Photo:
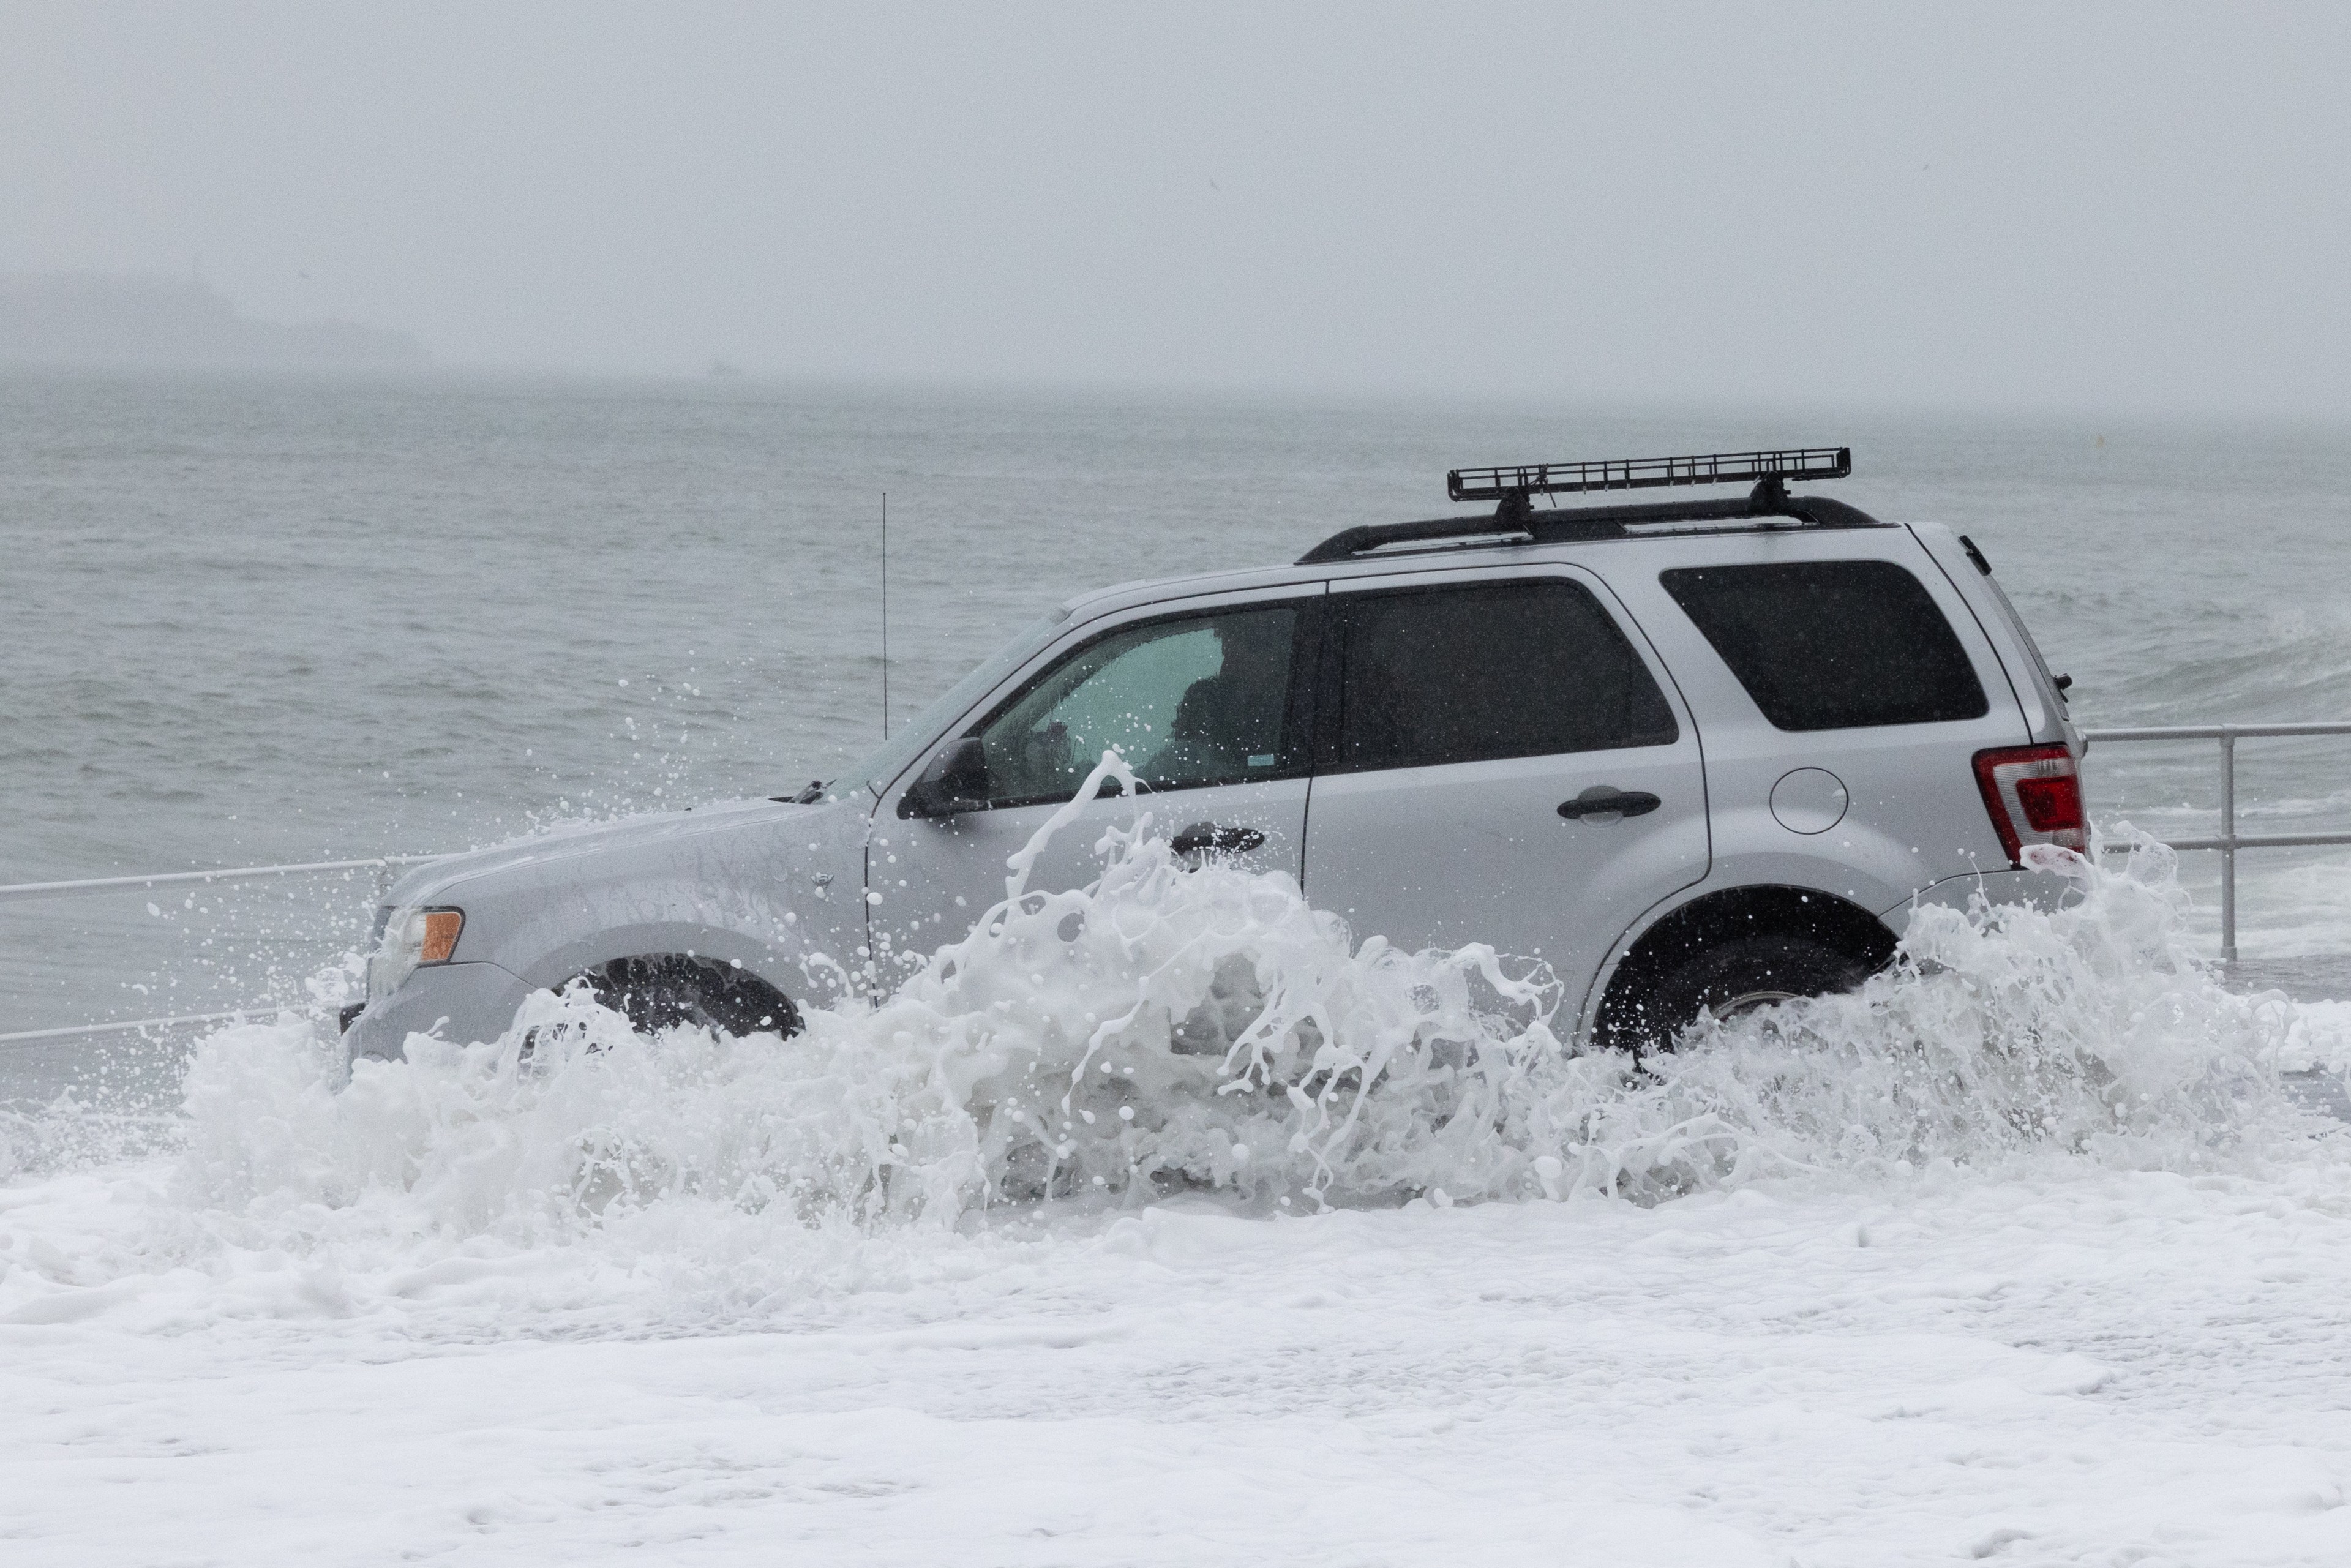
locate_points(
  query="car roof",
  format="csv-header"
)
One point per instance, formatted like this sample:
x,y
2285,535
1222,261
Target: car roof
x,y
1453,551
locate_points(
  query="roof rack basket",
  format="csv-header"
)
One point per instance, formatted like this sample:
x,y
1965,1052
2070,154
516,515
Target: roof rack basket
x,y
1511,488
1648,473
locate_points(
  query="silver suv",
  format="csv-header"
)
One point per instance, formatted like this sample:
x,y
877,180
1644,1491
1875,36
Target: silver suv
x,y
1690,754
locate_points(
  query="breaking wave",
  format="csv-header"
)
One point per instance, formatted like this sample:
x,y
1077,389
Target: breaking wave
x,y
1198,1028
1174,1029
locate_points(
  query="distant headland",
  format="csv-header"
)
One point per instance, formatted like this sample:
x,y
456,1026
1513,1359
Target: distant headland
x,y
93,320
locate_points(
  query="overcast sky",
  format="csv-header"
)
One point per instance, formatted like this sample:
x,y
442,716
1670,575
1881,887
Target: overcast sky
x,y
2043,205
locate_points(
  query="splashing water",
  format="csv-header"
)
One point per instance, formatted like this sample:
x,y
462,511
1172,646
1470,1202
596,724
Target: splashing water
x,y
1180,1027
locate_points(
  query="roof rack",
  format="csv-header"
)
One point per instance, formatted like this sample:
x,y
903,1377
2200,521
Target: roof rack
x,y
1514,515
1648,473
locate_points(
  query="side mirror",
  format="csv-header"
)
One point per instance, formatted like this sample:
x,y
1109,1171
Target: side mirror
x,y
954,781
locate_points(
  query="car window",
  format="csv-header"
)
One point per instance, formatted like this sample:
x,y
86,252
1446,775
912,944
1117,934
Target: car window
x,y
1526,667
1832,644
1188,701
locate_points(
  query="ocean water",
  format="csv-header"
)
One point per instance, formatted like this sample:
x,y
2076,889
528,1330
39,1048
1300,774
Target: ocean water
x,y
255,619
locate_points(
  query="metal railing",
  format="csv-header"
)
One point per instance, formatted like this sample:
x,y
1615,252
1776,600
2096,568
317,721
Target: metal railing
x,y
382,866
2231,841
134,1026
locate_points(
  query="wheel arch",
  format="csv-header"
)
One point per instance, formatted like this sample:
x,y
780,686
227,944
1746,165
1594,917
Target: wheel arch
x,y
1752,910
551,963
738,998
730,957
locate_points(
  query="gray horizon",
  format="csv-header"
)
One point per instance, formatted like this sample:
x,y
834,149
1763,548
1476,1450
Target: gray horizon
x,y
2134,209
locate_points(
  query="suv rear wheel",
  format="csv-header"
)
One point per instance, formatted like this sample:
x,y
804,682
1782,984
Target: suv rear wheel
x,y
1735,977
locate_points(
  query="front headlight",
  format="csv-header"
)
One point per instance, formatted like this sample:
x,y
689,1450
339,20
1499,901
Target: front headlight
x,y
412,937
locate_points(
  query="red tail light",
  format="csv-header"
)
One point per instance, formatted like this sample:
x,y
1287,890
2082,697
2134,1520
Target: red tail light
x,y
2034,796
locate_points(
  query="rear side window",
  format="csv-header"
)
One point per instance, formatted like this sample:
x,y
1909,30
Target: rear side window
x,y
1832,644
1469,674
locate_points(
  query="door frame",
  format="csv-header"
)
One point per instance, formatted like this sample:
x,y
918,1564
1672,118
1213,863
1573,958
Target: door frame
x,y
1306,662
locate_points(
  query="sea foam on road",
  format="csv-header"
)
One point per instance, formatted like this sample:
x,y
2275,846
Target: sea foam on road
x,y
1185,1029
913,1282
1179,1028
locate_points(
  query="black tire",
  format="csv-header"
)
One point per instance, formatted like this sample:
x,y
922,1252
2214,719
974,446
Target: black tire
x,y
666,989
1730,977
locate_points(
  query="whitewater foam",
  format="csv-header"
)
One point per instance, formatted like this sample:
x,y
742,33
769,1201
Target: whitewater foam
x,y
1176,1028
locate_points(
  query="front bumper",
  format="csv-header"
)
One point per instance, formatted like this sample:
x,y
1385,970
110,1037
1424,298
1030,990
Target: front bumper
x,y
461,1002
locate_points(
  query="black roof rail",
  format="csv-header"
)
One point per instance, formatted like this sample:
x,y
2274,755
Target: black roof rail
x,y
1515,515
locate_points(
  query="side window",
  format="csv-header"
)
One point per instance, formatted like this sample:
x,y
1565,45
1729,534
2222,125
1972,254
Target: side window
x,y
1527,667
1832,644
1190,702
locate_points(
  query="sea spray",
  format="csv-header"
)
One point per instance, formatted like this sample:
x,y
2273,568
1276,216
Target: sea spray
x,y
1188,1026
1999,1030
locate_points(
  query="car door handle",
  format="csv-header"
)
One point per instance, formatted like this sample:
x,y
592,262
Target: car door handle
x,y
1600,800
1207,836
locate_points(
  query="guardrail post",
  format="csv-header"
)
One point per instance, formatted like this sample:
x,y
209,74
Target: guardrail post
x,y
2228,844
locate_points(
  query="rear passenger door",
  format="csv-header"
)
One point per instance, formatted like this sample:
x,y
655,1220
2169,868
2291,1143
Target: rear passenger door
x,y
1501,758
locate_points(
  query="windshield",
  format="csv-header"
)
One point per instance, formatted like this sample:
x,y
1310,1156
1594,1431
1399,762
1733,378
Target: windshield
x,y
916,734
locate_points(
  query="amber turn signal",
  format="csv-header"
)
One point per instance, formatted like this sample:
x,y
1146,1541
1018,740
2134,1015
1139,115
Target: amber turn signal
x,y
441,928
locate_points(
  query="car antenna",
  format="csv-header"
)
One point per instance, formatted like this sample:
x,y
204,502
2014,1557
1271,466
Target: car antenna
x,y
885,614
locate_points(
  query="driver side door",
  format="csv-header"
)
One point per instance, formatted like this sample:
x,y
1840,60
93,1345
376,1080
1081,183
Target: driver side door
x,y
1208,702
